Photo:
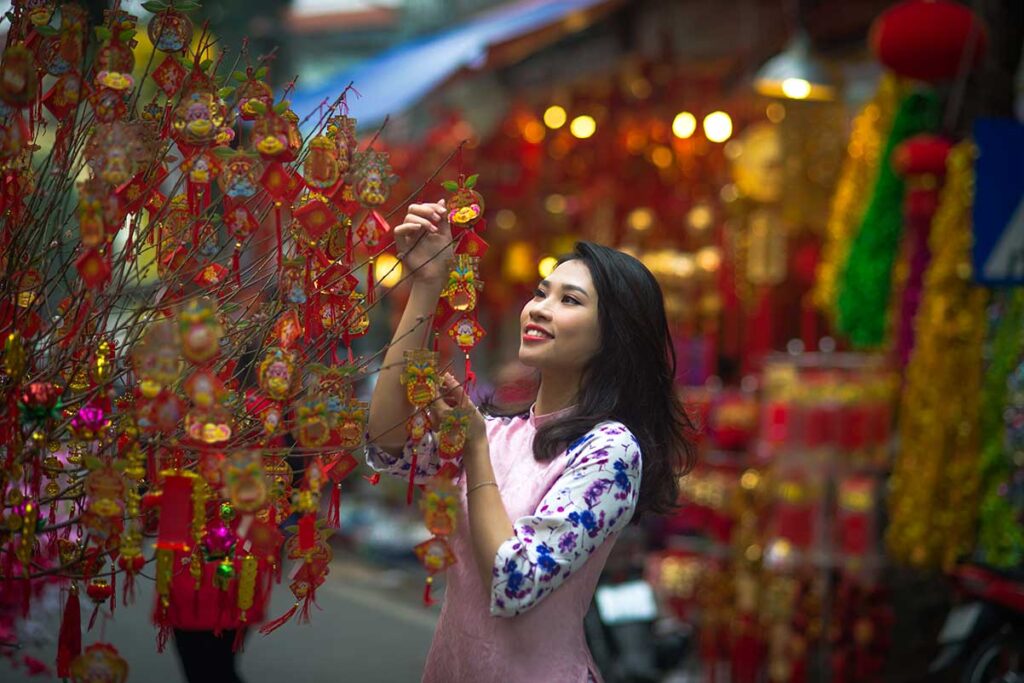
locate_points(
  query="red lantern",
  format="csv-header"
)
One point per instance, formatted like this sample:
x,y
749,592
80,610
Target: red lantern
x,y
927,39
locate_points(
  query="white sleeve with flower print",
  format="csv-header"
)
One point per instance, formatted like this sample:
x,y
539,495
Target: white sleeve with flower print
x,y
426,459
594,498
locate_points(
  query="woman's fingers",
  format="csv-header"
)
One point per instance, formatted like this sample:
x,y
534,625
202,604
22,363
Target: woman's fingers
x,y
432,212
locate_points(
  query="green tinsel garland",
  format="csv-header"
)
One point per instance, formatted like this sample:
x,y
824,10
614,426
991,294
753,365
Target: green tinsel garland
x,y
867,278
1000,536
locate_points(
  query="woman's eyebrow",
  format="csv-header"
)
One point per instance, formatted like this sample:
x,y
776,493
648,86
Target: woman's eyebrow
x,y
571,288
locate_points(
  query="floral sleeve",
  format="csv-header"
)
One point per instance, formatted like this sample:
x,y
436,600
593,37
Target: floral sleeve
x,y
594,498
426,457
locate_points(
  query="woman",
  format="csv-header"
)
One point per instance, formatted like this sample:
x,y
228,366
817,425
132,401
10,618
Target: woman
x,y
545,492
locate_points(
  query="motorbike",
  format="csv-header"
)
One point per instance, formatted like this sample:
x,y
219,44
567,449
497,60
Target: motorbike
x,y
982,639
631,642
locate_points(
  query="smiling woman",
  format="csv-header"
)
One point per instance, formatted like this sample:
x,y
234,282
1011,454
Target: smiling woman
x,y
546,489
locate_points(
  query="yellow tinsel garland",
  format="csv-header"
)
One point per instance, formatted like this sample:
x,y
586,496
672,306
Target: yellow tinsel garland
x,y
867,137
933,500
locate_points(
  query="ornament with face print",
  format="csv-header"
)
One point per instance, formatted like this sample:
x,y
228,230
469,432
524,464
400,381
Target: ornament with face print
x,y
321,166
241,174
170,30
270,136
115,62
199,330
39,12
371,178
210,426
420,377
342,130
155,358
350,423
245,480
18,79
463,283
439,506
451,437
466,332
465,205
435,554
293,281
372,231
312,422
253,95
99,663
91,227
205,389
198,118
357,319
239,220
277,374
109,152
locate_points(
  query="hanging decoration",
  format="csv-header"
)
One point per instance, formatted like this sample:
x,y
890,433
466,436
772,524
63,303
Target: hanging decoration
x,y
867,276
936,470
439,505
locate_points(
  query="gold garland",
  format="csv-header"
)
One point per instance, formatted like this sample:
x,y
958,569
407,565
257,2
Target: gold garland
x,y
867,137
935,483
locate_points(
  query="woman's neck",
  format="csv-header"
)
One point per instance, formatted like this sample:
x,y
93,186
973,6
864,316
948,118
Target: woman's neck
x,y
556,393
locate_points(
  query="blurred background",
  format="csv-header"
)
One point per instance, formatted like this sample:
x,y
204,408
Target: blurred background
x,y
857,511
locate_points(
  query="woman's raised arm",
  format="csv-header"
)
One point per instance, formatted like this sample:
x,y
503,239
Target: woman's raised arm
x,y
424,244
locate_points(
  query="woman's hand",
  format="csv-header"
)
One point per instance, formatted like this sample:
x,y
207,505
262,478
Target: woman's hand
x,y
453,396
424,242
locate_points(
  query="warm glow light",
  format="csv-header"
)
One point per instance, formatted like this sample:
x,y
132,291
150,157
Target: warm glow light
x,y
546,265
775,112
387,270
709,258
555,203
519,261
717,126
661,156
583,126
684,125
796,88
533,132
640,219
554,117
505,219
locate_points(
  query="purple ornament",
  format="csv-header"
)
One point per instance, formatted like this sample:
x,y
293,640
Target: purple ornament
x,y
219,540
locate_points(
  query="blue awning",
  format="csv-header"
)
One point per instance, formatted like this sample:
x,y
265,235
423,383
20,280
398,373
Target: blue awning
x,y
399,77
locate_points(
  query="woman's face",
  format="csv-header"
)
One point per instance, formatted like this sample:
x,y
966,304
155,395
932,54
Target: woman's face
x,y
559,325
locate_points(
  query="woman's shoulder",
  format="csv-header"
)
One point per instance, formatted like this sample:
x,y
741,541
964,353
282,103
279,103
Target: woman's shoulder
x,y
608,434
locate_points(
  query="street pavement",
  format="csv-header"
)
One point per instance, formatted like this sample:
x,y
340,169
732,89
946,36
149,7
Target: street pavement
x,y
373,629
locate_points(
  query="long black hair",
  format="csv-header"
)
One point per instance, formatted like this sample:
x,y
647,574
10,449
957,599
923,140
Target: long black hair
x,y
631,379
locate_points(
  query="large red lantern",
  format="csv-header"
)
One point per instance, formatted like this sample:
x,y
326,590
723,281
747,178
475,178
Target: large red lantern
x,y
927,39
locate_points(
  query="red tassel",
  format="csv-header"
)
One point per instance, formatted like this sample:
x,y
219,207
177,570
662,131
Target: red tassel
x,y
92,619
162,636
428,599
310,600
128,590
307,532
280,246
374,479
348,247
113,590
370,282
412,478
470,375
239,643
334,507
69,642
272,626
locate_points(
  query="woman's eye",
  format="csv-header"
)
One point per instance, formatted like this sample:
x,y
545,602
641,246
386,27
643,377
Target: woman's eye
x,y
570,300
538,293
